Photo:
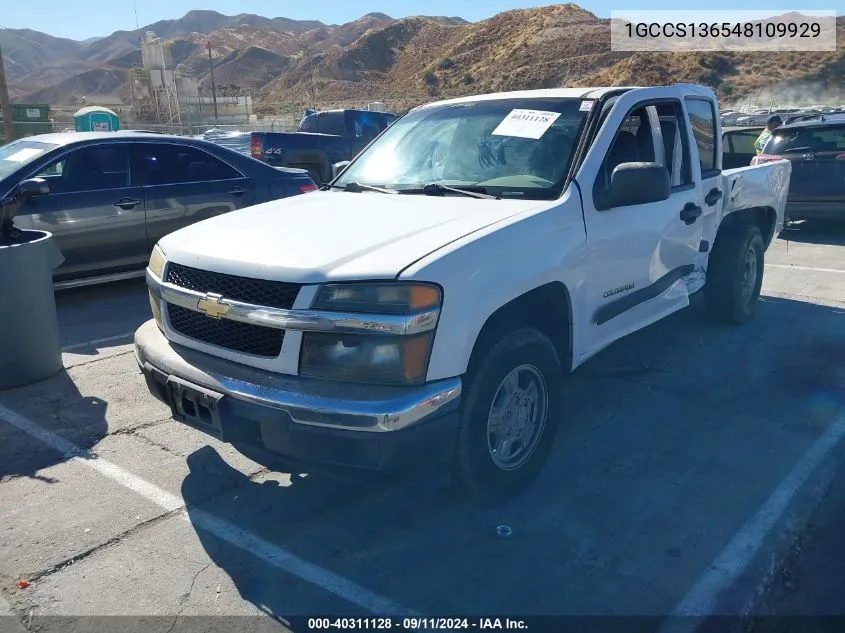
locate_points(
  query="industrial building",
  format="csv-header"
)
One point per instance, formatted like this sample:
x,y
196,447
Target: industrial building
x,y
163,94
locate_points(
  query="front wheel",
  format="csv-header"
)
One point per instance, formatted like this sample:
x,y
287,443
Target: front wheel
x,y
510,416
735,275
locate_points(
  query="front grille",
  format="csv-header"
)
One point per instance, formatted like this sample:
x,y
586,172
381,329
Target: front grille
x,y
276,294
238,337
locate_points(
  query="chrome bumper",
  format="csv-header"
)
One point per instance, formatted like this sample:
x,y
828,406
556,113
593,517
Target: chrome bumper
x,y
308,401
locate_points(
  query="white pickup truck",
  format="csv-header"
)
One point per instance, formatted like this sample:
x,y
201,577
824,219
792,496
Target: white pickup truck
x,y
427,304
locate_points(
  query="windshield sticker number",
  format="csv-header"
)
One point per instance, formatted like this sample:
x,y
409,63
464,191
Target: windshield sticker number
x,y
25,154
526,123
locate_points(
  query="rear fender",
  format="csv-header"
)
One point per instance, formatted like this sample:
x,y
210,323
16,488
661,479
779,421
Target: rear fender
x,y
763,186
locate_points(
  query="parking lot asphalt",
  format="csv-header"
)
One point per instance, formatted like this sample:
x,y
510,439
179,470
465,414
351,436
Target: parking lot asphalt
x,y
689,459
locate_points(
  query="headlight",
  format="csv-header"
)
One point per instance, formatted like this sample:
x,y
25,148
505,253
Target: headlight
x,y
372,358
400,360
378,298
157,262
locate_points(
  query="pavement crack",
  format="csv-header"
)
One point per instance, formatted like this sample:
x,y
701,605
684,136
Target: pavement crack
x,y
99,359
40,575
131,430
183,599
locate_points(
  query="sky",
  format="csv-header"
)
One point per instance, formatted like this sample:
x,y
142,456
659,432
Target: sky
x,y
82,19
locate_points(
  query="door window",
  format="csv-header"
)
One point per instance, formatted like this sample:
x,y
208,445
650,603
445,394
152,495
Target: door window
x,y
634,143
702,116
94,168
741,142
325,123
673,135
173,164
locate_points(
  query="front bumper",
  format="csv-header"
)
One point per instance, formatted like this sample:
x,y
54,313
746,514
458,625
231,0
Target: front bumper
x,y
303,420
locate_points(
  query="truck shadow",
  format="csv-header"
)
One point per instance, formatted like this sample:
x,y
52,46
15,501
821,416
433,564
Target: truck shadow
x,y
54,405
669,441
831,233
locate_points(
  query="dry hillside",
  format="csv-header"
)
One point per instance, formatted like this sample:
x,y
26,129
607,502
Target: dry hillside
x,y
406,61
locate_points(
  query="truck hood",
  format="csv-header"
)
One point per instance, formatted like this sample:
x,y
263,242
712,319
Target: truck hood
x,y
325,236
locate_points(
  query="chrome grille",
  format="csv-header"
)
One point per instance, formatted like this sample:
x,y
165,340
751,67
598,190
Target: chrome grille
x,y
232,335
276,294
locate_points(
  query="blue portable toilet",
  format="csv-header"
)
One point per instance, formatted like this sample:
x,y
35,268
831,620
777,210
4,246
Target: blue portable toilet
x,y
96,119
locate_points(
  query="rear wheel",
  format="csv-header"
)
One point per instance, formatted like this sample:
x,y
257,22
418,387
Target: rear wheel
x,y
735,275
510,415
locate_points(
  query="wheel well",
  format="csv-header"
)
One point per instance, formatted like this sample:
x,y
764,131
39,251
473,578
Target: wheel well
x,y
547,308
763,218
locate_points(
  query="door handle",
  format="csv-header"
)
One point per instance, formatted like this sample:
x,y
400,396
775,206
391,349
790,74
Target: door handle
x,y
690,213
713,197
237,191
127,203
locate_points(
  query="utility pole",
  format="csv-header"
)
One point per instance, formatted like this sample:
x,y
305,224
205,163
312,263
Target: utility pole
x,y
213,87
5,106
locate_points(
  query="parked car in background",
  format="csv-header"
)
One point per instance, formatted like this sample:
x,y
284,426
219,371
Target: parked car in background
x,y
816,149
108,197
323,139
738,146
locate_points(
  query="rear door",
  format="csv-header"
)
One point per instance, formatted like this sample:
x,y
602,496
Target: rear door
x,y
707,170
183,184
94,212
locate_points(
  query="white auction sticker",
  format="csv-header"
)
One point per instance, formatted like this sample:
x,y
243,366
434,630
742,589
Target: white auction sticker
x,y
526,123
25,154
586,106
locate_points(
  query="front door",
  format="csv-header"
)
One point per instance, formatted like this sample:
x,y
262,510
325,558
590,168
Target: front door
x,y
638,255
183,184
94,213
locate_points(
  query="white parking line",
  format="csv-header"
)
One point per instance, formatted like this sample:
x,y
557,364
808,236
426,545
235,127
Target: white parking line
x,y
820,270
744,546
222,529
98,341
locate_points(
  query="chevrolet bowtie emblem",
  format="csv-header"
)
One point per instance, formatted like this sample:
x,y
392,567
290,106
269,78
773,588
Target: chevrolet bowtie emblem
x,y
213,306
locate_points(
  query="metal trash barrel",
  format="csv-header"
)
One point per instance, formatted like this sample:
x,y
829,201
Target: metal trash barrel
x,y
30,348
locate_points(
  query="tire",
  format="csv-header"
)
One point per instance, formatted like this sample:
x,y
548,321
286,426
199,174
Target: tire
x,y
735,275
480,470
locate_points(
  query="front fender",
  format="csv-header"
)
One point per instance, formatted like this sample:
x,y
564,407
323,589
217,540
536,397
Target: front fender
x,y
488,269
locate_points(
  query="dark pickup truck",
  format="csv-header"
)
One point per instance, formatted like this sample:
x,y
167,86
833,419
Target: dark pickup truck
x,y
323,139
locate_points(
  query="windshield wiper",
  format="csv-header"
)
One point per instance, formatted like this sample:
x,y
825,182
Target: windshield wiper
x,y
436,189
357,187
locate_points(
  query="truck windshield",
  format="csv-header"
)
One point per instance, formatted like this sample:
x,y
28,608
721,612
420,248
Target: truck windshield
x,y
18,154
324,123
507,147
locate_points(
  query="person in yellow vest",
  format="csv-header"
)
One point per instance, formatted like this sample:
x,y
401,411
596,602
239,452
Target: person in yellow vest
x,y
772,123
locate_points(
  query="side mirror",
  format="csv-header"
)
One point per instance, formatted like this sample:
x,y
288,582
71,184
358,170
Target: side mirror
x,y
638,183
339,167
32,188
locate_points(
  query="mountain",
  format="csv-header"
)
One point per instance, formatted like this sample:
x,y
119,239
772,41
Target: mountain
x,y
401,61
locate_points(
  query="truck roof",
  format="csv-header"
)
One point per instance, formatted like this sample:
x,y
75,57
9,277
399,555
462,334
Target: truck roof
x,y
565,93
